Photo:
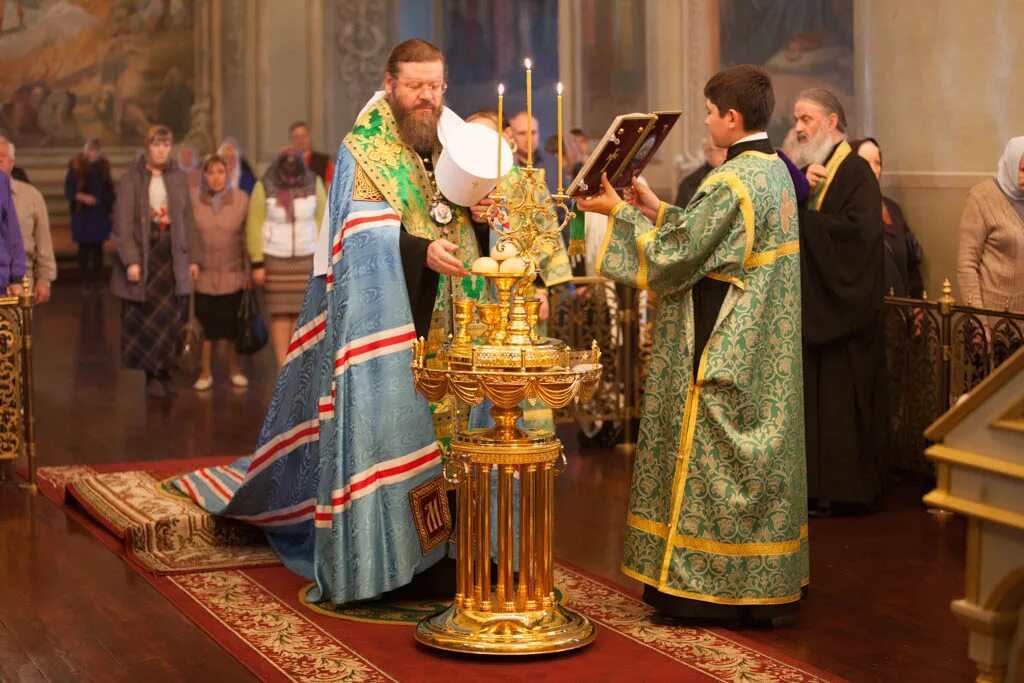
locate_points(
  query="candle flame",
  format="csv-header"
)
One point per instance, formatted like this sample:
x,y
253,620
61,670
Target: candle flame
x,y
559,88
501,88
528,63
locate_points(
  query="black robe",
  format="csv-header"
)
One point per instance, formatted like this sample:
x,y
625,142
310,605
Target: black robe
x,y
903,256
842,281
688,185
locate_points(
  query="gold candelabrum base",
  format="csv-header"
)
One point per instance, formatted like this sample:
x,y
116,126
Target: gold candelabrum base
x,y
513,612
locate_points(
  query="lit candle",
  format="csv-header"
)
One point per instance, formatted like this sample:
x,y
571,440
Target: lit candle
x,y
560,184
501,97
529,113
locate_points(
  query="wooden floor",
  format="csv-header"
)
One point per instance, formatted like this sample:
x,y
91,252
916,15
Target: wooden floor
x,y
71,610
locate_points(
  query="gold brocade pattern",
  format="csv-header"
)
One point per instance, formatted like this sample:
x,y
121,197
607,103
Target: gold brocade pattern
x,y
296,646
364,190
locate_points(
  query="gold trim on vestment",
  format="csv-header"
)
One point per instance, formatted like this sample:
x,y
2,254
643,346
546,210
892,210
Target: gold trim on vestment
x,y
722,277
687,428
659,220
608,236
363,189
707,545
641,249
746,208
717,599
838,157
763,258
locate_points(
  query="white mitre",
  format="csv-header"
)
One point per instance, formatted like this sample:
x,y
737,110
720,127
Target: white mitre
x,y
469,159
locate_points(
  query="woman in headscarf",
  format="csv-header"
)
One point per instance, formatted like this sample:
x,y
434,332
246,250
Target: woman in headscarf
x,y
158,256
240,175
188,161
220,213
89,190
903,254
990,259
285,212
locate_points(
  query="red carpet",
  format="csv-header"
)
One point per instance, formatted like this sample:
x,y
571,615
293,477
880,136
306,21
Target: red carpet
x,y
256,615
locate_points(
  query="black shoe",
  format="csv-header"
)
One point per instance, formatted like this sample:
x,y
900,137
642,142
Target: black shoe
x,y
819,508
167,382
155,388
662,619
770,616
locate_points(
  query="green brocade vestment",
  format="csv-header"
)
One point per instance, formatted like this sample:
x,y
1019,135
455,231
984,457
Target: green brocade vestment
x,y
718,505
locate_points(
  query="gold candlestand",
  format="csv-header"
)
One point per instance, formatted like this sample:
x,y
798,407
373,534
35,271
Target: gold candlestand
x,y
514,612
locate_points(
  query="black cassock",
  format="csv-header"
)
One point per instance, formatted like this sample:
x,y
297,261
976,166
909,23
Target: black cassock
x,y
842,280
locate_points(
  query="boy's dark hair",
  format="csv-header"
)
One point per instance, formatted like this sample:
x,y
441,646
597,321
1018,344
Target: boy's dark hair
x,y
745,88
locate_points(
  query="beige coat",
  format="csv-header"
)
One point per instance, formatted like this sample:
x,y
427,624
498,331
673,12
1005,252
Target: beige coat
x,y
990,259
225,262
40,262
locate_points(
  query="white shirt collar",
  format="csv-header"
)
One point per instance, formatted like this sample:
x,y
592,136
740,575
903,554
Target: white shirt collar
x,y
753,136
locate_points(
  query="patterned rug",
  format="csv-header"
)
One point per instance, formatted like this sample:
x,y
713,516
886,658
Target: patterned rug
x,y
257,613
162,531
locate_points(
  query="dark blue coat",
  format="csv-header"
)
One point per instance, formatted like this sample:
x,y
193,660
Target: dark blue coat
x,y
90,224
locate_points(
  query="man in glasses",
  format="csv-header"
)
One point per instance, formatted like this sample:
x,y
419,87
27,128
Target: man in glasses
x,y
347,446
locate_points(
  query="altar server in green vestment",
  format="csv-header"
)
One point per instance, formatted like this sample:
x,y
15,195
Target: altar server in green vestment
x,y
717,523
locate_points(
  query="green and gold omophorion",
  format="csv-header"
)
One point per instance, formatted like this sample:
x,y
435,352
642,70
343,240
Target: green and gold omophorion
x,y
718,505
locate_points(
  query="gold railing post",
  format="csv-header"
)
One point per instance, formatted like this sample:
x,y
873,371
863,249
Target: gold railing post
x,y
946,303
25,303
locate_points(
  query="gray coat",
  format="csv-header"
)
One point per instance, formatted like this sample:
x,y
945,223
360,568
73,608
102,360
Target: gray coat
x,y
132,226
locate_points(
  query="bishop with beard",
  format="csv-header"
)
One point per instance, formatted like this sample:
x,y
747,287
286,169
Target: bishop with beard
x,y
842,284
347,448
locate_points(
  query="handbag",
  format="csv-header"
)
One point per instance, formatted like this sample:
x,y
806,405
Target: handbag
x,y
192,345
251,335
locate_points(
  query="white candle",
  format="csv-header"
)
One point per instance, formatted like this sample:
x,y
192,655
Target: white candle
x,y
501,97
529,113
560,184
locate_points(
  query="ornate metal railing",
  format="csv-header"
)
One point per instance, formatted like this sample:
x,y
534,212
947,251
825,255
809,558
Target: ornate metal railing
x,y
17,417
621,320
936,351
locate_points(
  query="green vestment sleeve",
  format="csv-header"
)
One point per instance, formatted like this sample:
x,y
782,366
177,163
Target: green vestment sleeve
x,y
683,246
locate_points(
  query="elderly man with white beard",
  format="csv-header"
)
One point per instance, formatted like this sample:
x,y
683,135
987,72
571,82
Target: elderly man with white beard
x,y
842,276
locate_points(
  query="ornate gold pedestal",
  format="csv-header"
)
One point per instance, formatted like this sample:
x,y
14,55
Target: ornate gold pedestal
x,y
513,612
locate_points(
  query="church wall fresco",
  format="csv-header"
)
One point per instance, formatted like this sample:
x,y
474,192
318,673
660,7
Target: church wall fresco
x,y
77,69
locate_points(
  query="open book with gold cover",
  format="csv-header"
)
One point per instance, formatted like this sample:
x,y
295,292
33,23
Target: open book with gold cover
x,y
623,151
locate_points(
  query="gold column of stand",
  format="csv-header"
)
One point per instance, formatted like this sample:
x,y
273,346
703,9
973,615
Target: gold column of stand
x,y
517,614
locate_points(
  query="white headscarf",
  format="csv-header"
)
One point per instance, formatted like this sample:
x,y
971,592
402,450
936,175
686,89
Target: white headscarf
x,y
1009,166
235,175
